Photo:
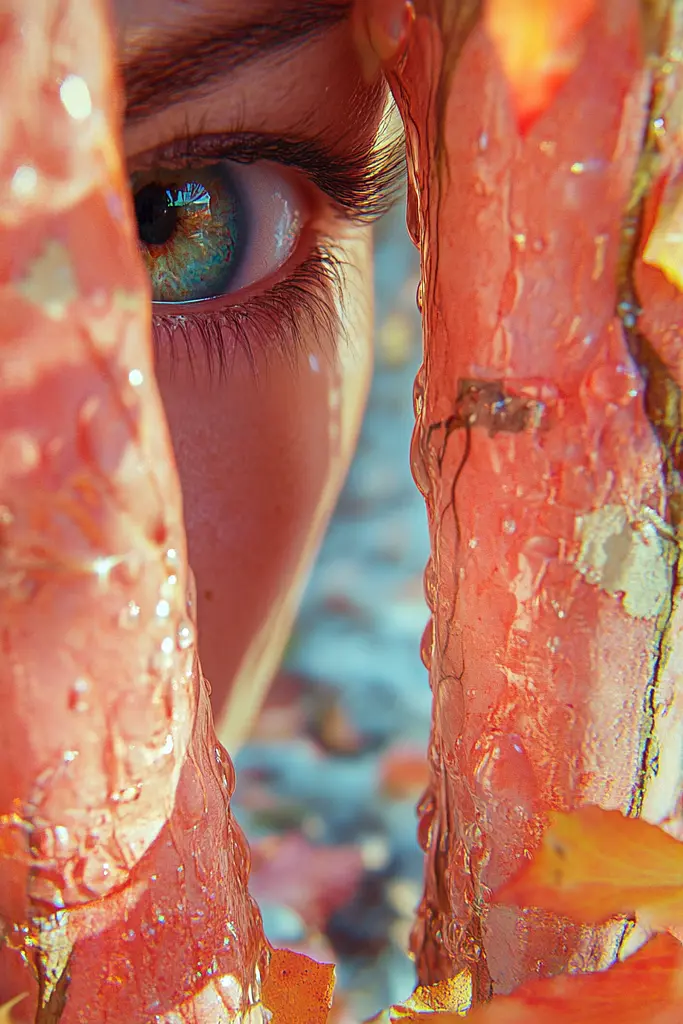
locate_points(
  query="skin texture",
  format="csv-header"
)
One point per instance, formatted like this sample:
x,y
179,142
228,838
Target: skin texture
x,y
263,450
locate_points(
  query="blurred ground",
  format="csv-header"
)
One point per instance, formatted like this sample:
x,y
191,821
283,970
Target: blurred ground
x,y
328,784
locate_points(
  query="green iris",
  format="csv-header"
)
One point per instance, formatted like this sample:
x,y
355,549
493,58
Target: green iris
x,y
192,231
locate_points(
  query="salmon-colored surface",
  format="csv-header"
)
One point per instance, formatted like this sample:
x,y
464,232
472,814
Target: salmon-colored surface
x,y
548,465
122,874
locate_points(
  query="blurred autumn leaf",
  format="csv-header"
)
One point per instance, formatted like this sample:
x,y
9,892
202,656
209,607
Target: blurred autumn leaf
x,y
645,989
6,1009
312,880
297,990
664,248
539,45
595,864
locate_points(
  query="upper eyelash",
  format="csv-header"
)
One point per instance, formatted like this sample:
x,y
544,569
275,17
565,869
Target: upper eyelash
x,y
362,183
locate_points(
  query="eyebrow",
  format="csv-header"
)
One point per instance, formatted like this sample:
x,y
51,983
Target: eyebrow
x,y
191,57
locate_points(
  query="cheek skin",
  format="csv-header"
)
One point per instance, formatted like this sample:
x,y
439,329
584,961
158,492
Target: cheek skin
x,y
262,456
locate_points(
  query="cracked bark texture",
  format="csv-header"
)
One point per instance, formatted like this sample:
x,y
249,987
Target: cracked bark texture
x,y
547,446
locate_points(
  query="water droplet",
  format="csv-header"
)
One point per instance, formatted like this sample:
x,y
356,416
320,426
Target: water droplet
x,y
24,182
420,295
509,526
126,796
616,384
430,584
659,127
577,167
78,696
629,313
19,453
506,772
75,95
413,215
185,637
418,464
167,645
168,746
136,378
427,644
102,567
163,609
130,615
171,558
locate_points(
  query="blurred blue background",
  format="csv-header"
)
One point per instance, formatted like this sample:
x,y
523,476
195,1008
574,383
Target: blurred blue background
x,y
327,785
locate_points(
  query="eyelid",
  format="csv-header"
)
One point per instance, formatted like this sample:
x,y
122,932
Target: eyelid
x,y
362,185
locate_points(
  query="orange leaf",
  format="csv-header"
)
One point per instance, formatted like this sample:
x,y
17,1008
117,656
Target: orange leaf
x,y
647,988
298,989
426,1002
539,46
595,864
664,247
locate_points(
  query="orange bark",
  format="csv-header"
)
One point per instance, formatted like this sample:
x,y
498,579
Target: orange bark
x,y
122,874
546,445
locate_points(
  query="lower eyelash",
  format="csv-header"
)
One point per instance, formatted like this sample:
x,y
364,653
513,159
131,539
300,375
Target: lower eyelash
x,y
305,305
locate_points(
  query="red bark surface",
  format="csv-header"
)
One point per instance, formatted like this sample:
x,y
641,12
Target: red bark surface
x,y
122,875
546,445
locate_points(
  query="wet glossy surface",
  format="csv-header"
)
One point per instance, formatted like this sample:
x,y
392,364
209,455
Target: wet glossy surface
x,y
547,453
122,875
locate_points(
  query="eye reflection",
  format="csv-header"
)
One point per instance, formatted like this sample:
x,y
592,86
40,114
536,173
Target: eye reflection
x,y
192,232
208,232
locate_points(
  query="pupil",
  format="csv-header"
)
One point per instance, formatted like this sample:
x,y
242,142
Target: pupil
x,y
157,217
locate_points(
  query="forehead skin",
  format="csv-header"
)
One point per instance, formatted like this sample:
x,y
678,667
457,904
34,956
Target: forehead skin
x,y
314,85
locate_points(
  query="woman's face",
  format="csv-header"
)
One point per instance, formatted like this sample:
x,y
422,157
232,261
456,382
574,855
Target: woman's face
x,y
251,140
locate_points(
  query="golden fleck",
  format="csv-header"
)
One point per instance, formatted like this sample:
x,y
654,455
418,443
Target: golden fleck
x,y
664,247
600,242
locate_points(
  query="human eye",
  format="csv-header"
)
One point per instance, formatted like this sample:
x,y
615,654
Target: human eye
x,y
208,233
239,236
